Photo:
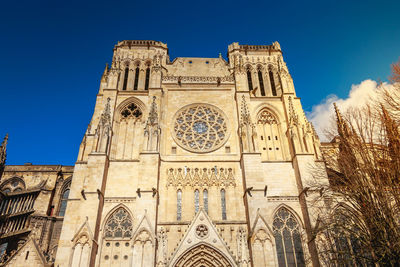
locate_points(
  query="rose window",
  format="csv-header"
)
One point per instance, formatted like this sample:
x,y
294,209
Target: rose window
x,y
200,128
201,231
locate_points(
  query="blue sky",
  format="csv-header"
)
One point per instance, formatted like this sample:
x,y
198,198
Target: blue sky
x,y
53,54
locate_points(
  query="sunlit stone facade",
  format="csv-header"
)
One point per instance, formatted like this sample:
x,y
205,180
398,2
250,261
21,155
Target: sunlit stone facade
x,y
193,162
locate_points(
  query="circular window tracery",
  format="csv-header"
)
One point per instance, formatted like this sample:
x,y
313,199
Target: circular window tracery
x,y
131,111
200,128
266,117
119,225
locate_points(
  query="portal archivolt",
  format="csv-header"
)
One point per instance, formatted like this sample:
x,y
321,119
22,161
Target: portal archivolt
x,y
203,256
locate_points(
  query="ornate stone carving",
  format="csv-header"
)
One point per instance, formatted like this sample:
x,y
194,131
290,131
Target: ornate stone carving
x,y
200,128
119,225
293,117
201,231
3,154
243,252
262,235
202,255
132,111
247,128
244,112
197,79
162,247
276,45
266,117
104,128
201,177
143,237
152,130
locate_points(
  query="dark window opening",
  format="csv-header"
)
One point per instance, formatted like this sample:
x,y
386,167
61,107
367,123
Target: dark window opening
x,y
249,81
223,204
205,200
260,78
271,78
179,206
125,78
135,86
146,85
63,205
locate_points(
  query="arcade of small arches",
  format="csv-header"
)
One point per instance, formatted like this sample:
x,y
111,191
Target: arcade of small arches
x,y
197,202
118,237
14,184
267,80
132,77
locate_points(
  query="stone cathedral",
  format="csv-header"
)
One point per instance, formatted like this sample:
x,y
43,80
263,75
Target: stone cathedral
x,y
194,162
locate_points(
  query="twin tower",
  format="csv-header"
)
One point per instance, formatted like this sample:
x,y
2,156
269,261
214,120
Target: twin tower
x,y
193,162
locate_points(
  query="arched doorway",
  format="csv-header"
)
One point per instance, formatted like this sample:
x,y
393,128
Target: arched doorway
x,y
202,255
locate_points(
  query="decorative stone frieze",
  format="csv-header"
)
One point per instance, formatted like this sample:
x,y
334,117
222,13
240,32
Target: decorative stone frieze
x,y
201,177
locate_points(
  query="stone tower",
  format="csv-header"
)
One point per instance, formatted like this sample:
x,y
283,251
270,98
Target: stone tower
x,y
193,162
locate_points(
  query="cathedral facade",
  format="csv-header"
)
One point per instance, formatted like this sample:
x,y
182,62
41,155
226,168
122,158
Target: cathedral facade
x,y
191,162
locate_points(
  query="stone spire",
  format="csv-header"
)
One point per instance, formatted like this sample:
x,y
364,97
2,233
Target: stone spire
x,y
3,154
342,128
244,113
103,130
293,117
105,119
152,130
105,74
153,115
247,128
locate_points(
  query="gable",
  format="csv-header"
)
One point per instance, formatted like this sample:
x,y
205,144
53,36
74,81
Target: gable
x,y
202,232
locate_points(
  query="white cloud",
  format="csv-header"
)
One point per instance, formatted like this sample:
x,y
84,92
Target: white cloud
x,y
360,94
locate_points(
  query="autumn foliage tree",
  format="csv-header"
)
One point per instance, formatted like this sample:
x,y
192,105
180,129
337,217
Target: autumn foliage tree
x,y
362,225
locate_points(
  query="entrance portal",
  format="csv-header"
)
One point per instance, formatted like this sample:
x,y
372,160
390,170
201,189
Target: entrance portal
x,y
203,255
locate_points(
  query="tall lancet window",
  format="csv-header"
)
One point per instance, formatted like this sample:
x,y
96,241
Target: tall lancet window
x,y
223,204
196,201
271,79
63,204
249,80
146,85
135,85
205,200
261,81
179,205
288,240
125,78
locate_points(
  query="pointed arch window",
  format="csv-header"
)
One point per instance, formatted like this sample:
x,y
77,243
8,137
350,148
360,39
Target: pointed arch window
x,y
288,239
179,205
135,85
272,81
119,225
196,200
261,81
63,203
126,74
249,80
223,204
205,200
146,85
